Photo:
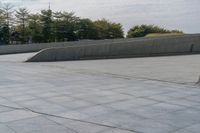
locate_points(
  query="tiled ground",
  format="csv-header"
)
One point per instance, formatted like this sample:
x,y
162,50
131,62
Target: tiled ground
x,y
102,96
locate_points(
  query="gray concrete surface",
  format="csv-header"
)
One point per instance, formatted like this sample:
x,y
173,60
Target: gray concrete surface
x,y
136,95
172,45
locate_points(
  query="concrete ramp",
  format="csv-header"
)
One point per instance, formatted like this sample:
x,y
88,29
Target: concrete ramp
x,y
172,45
15,57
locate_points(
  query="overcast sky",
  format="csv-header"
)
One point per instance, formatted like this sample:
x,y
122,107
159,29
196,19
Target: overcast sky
x,y
173,14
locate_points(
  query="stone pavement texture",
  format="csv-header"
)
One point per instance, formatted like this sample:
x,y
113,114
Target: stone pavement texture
x,y
135,95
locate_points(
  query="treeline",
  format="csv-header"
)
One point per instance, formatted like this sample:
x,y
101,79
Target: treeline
x,y
21,26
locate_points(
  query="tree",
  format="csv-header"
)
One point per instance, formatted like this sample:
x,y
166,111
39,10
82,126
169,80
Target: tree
x,y
143,30
66,26
8,13
57,26
87,29
2,18
7,21
35,28
4,34
22,21
46,19
108,30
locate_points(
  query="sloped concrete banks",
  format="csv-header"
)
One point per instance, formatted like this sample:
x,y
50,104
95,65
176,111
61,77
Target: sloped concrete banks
x,y
12,49
25,48
174,45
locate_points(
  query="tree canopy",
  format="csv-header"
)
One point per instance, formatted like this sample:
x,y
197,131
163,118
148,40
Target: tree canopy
x,y
108,30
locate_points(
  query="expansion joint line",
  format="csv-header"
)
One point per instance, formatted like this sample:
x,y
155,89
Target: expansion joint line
x,y
72,119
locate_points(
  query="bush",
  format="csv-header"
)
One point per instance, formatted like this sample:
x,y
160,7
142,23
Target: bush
x,y
143,30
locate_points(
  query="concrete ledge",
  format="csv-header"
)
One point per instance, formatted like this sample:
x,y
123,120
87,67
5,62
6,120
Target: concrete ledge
x,y
12,49
186,44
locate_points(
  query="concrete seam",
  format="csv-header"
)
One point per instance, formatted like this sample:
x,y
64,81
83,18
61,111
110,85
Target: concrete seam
x,y
83,121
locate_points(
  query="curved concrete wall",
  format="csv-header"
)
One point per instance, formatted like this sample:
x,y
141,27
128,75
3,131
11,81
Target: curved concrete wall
x,y
186,44
10,49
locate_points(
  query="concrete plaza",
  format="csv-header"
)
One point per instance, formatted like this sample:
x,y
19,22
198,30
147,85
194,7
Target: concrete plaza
x,y
134,95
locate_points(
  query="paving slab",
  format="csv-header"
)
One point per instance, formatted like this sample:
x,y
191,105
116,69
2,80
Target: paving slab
x,y
5,129
135,95
38,125
15,115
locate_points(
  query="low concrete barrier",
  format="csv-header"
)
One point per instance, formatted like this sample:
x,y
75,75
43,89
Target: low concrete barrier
x,y
185,44
12,49
196,48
